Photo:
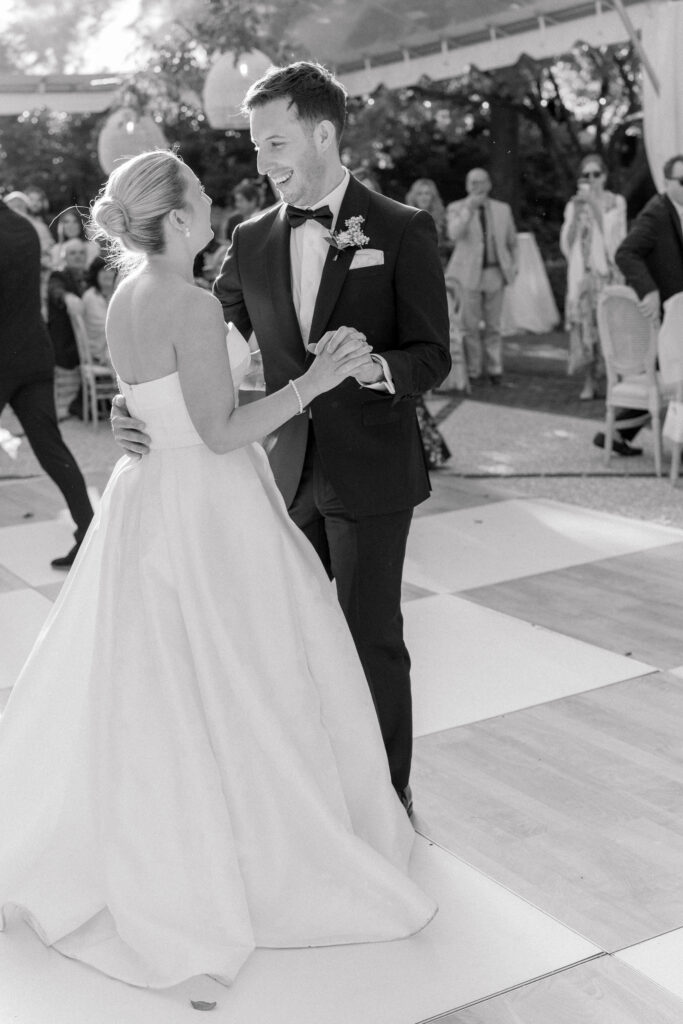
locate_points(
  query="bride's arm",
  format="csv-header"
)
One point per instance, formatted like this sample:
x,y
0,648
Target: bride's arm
x,y
207,385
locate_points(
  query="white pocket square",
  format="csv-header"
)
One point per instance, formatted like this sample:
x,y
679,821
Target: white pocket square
x,y
367,258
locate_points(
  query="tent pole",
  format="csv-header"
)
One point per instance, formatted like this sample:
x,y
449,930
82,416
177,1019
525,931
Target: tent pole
x,y
637,45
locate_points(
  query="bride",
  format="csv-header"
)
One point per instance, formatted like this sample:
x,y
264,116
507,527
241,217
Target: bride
x,y
190,761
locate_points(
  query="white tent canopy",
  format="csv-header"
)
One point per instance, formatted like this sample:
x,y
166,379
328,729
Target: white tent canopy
x,y
394,44
662,39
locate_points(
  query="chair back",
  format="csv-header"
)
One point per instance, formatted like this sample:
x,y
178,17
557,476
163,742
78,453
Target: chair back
x,y
670,342
74,307
628,338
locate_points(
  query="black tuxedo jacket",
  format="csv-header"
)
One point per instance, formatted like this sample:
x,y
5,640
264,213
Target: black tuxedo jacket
x,y
368,441
25,349
651,255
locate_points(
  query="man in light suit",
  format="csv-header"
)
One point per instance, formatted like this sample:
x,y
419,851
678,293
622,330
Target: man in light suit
x,y
483,262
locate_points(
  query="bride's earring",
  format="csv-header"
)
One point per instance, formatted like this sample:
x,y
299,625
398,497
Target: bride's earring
x,y
186,232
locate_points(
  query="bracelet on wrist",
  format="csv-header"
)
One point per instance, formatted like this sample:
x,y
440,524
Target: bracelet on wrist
x,y
298,396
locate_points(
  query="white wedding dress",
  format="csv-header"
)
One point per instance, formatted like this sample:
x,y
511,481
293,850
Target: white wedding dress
x,y
190,761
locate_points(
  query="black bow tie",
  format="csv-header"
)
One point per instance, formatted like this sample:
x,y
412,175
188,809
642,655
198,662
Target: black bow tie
x,y
297,217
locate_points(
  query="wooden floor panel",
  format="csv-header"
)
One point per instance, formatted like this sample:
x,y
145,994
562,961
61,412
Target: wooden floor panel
x,y
602,991
630,604
574,805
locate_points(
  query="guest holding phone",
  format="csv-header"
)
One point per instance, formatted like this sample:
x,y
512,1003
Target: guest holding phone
x,y
594,226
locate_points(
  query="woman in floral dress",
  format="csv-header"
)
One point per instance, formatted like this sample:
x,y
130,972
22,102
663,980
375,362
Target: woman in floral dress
x,y
594,225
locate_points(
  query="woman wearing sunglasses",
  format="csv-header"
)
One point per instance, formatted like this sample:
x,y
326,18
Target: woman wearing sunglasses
x,y
594,226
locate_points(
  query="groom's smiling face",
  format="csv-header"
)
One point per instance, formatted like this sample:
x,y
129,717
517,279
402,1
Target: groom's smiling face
x,y
294,154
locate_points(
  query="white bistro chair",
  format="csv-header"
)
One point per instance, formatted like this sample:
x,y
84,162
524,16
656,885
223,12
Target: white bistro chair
x,y
99,382
629,346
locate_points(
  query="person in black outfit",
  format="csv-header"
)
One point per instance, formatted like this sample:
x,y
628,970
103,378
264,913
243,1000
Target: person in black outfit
x,y
651,260
27,368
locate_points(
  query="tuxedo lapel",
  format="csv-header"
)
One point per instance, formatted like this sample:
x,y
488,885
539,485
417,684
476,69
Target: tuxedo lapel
x,y
279,273
355,204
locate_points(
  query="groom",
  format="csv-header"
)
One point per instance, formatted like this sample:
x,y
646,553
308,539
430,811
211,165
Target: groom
x,y
352,468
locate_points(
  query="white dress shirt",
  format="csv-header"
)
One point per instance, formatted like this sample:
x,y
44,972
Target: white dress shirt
x,y
308,250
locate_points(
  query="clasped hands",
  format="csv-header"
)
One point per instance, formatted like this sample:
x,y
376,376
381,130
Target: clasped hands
x,y
348,342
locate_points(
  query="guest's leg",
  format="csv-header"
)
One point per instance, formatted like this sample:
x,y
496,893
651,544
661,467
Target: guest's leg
x,y
629,433
470,320
34,405
367,558
493,342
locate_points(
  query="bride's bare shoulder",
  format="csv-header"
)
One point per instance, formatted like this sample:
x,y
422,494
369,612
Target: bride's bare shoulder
x,y
141,294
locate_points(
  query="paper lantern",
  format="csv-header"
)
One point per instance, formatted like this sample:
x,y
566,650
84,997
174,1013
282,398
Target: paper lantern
x,y
127,133
226,84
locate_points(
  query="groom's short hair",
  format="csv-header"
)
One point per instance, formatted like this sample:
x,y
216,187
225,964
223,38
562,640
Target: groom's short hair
x,y
314,90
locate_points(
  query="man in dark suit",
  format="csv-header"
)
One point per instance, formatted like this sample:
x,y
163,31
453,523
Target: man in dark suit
x,y
27,367
351,469
651,255
651,260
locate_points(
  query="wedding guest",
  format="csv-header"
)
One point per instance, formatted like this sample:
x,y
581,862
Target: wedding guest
x,y
71,279
594,225
70,226
484,260
18,202
190,761
651,259
424,195
651,255
101,282
246,199
38,208
367,178
27,367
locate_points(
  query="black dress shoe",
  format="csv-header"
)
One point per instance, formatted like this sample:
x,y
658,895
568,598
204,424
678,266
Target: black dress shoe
x,y
618,446
494,380
406,798
66,561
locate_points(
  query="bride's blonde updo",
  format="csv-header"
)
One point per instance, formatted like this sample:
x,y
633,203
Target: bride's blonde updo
x,y
139,193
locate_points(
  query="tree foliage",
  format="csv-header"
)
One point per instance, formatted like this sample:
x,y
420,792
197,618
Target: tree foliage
x,y
58,152
48,36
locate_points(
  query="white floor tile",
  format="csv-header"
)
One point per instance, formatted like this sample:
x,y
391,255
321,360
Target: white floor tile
x,y
27,550
22,614
470,663
483,939
661,959
507,540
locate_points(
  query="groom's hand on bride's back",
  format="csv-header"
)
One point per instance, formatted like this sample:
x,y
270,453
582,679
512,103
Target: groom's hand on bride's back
x,y
128,432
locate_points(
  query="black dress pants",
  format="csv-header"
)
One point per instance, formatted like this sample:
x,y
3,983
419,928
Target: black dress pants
x,y
365,558
33,403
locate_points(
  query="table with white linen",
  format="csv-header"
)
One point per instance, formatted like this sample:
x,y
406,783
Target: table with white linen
x,y
528,303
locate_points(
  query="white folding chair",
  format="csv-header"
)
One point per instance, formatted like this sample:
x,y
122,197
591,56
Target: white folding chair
x,y
629,346
99,382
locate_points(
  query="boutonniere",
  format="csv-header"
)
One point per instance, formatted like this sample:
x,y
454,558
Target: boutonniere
x,y
351,238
